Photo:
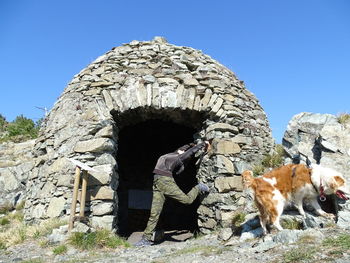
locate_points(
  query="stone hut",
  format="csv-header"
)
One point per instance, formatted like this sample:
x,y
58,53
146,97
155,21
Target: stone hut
x,y
124,110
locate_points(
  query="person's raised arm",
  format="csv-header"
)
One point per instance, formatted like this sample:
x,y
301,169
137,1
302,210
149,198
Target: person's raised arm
x,y
193,150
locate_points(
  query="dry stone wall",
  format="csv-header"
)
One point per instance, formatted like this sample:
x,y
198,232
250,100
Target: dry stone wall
x,y
136,82
16,161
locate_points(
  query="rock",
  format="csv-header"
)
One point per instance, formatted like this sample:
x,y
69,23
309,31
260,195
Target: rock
x,y
95,145
225,147
226,184
321,138
80,227
225,234
56,206
104,222
102,208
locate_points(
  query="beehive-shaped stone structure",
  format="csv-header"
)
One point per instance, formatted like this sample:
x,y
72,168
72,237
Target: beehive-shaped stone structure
x,y
128,107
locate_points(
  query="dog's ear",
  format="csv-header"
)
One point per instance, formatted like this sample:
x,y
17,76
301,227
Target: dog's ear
x,y
339,180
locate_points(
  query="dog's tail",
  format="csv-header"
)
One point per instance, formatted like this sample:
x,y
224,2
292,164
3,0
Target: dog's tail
x,y
247,178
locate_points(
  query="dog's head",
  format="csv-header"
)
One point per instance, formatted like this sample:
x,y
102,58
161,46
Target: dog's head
x,y
340,188
337,185
247,178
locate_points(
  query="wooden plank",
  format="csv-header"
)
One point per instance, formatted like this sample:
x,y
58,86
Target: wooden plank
x,y
74,199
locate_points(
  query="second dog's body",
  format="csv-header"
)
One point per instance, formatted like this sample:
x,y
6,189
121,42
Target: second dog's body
x,y
293,182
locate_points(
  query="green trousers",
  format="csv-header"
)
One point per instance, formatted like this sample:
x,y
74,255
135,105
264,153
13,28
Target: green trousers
x,y
164,186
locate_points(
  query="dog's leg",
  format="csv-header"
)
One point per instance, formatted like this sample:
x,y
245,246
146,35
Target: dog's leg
x,y
319,210
298,201
276,215
263,223
263,217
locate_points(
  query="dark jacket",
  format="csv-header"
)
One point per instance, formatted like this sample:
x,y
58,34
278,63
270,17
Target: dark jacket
x,y
173,163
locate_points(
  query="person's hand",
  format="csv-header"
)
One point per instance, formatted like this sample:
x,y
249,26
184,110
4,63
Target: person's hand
x,y
207,146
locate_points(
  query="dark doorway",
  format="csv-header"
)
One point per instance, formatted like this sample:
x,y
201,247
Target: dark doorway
x,y
139,147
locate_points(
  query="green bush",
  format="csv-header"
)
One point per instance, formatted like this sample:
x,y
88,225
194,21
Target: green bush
x,y
3,123
343,118
21,129
22,126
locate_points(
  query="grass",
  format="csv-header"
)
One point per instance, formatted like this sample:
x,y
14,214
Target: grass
x,y
33,261
300,254
20,205
2,245
334,247
238,219
5,209
341,242
343,118
99,239
291,224
270,161
4,221
204,250
59,250
258,170
276,159
17,232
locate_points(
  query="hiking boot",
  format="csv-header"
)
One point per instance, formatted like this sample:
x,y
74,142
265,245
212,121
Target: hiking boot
x,y
203,188
144,243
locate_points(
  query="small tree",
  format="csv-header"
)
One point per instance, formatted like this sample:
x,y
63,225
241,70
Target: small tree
x,y
3,123
22,126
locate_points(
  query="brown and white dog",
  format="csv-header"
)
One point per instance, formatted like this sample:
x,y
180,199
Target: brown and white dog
x,y
293,182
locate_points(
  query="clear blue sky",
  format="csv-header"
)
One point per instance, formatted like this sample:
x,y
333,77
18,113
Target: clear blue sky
x,y
294,55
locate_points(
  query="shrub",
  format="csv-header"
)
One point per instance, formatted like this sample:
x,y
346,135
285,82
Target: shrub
x,y
3,123
22,126
343,118
21,129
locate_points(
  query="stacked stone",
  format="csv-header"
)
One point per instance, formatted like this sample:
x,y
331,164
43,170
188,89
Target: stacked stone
x,y
153,77
16,161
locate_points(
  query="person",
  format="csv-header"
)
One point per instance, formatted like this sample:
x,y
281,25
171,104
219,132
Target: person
x,y
164,185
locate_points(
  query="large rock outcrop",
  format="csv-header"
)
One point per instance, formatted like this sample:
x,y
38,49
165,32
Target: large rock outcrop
x,y
126,108
320,137
324,140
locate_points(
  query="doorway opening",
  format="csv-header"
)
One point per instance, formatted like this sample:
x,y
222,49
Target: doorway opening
x,y
139,147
